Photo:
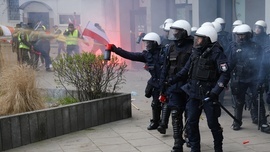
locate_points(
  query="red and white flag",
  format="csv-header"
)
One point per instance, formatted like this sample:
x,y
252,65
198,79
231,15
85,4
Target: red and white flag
x,y
6,30
92,31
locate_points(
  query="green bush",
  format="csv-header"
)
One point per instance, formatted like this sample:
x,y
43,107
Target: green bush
x,y
67,100
92,76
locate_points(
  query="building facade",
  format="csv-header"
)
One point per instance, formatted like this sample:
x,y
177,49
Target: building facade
x,y
124,19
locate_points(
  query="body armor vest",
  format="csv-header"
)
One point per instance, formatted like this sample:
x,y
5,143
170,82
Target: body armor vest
x,y
202,67
247,59
154,62
178,59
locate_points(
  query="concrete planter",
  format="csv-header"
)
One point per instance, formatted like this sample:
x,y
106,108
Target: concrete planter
x,y
25,128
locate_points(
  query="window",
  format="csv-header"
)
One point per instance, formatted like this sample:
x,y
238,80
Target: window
x,y
13,10
65,19
184,11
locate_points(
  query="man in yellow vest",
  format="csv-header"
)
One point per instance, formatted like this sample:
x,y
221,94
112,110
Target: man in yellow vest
x,y
72,36
24,46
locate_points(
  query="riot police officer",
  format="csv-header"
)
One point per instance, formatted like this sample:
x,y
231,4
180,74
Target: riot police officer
x,y
236,23
153,57
166,28
177,55
165,113
223,44
193,30
224,36
245,59
168,20
207,72
261,38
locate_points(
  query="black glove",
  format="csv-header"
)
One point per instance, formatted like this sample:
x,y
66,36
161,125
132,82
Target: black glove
x,y
171,81
113,48
211,97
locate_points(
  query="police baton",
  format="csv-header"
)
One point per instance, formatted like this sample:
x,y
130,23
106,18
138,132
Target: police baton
x,y
228,112
260,92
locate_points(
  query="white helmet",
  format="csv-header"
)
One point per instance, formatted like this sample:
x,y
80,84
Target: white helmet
x,y
243,34
207,24
152,37
243,29
167,26
168,20
220,20
194,29
182,24
237,22
180,29
217,26
235,29
262,24
207,31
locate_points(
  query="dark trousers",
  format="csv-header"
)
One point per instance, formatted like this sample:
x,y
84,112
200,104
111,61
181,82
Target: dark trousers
x,y
212,111
72,49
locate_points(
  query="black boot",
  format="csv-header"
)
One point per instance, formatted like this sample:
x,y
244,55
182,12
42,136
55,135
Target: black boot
x,y
254,112
218,139
177,131
264,127
238,111
164,119
154,123
186,131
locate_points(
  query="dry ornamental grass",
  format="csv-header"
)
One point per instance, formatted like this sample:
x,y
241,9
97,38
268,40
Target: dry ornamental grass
x,y
18,91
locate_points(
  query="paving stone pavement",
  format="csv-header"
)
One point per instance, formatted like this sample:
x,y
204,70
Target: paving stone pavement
x,y
131,135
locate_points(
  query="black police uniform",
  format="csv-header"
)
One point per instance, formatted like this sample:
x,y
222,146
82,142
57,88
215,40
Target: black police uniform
x,y
264,80
164,40
264,74
153,60
207,72
245,64
177,54
224,41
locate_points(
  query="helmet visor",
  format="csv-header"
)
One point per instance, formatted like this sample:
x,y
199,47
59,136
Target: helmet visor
x,y
177,34
258,29
241,38
148,45
200,41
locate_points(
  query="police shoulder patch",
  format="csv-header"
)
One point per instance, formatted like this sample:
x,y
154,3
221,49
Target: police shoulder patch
x,y
223,67
220,84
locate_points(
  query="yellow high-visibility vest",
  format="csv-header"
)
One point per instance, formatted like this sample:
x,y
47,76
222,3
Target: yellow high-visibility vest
x,y
72,38
22,45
